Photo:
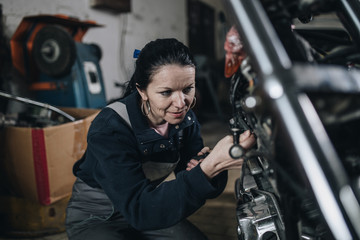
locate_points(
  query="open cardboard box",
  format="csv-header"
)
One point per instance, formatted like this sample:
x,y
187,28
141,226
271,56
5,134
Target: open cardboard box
x,y
37,162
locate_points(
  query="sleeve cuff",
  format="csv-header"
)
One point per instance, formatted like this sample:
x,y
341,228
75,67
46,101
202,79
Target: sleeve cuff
x,y
201,187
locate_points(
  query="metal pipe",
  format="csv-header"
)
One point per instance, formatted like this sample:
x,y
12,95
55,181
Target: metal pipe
x,y
349,16
38,104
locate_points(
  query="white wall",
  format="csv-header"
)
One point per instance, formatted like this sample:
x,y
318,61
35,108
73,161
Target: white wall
x,y
121,34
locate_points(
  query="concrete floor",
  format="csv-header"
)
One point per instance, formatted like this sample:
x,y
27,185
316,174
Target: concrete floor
x,y
217,217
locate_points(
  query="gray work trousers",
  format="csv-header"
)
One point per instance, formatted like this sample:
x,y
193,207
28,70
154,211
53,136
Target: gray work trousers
x,y
90,215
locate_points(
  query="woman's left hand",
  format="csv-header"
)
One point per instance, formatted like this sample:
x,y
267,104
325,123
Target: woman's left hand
x,y
193,162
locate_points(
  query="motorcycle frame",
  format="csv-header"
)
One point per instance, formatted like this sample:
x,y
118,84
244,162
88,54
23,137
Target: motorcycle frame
x,y
284,89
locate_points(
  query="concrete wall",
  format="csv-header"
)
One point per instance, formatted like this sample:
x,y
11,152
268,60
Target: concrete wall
x,y
121,34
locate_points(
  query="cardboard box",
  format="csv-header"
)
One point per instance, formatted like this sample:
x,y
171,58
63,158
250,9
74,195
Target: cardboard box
x,y
37,162
22,218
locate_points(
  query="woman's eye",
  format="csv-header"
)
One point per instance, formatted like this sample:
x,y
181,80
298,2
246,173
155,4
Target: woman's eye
x,y
166,93
188,89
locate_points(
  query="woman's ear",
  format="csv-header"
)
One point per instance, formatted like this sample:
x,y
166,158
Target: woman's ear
x,y
142,93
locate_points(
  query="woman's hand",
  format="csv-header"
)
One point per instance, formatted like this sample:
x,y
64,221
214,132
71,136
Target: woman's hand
x,y
193,162
219,159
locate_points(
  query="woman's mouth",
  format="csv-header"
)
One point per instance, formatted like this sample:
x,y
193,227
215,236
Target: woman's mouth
x,y
178,114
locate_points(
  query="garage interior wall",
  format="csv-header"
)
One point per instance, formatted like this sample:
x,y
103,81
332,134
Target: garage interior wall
x,y
121,34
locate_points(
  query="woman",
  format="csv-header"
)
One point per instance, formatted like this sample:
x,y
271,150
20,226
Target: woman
x,y
135,143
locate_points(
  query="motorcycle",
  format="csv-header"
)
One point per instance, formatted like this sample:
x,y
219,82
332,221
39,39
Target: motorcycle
x,y
296,86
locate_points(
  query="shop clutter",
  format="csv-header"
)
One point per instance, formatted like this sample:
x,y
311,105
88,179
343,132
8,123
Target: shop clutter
x,y
44,133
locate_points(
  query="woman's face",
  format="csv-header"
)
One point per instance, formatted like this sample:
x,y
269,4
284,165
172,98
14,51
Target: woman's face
x,y
170,93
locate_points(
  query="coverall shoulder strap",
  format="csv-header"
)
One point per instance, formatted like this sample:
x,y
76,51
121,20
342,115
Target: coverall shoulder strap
x,y
120,108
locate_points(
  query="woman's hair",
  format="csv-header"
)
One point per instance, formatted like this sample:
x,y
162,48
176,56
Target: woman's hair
x,y
154,55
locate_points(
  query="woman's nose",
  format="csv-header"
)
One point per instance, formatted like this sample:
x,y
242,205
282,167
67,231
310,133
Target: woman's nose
x,y
179,100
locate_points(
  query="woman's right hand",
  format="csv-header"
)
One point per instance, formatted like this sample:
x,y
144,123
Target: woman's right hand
x,y
219,159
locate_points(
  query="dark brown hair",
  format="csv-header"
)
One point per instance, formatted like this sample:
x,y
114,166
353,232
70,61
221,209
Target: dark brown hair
x,y
154,55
